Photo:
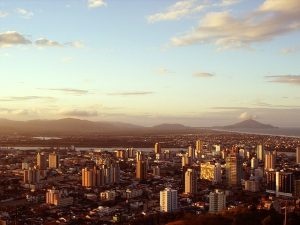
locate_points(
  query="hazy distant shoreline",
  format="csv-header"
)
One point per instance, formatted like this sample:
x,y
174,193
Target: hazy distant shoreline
x,y
283,132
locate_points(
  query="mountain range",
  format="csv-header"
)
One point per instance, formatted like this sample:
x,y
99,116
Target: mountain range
x,y
71,126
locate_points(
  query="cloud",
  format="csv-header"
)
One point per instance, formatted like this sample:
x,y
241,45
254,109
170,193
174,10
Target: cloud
x,y
135,93
76,44
247,116
177,11
25,98
203,74
290,50
80,113
44,42
288,79
229,2
10,38
69,91
164,71
25,13
96,3
271,19
3,14
67,59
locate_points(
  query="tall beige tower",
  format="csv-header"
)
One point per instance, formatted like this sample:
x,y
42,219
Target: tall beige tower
x,y
157,148
93,177
141,170
41,161
190,182
53,161
199,148
269,161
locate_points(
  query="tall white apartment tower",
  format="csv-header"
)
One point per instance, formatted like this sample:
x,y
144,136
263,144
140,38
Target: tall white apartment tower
x,y
217,201
168,200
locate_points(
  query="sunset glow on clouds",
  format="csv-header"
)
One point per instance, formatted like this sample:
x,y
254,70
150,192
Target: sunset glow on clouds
x,y
195,62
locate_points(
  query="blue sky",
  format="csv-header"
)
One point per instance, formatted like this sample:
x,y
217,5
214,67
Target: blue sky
x,y
196,62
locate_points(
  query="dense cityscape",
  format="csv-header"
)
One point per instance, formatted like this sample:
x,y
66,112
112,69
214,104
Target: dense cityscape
x,y
211,174
149,112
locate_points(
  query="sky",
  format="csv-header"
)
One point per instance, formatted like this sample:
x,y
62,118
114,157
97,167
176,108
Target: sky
x,y
194,62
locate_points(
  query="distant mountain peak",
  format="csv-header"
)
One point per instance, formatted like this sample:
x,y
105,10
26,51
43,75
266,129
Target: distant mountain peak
x,y
172,126
250,123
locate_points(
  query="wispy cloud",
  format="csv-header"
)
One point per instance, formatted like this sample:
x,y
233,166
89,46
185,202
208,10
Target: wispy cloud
x,y
96,3
13,38
177,11
80,113
229,2
76,44
164,71
271,19
3,14
67,59
24,13
44,42
288,79
134,93
290,50
10,38
203,75
25,98
68,90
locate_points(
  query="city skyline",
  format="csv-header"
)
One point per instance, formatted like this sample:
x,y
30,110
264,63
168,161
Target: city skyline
x,y
199,63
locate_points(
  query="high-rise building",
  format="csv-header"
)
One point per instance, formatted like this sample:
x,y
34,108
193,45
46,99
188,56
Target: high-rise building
x,y
191,152
186,160
93,177
254,163
280,183
168,200
234,170
297,188
211,172
285,183
121,154
131,152
260,152
31,176
271,181
140,156
156,171
190,183
242,153
217,201
55,197
53,160
252,185
157,148
41,161
199,148
270,161
111,172
298,155
141,170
